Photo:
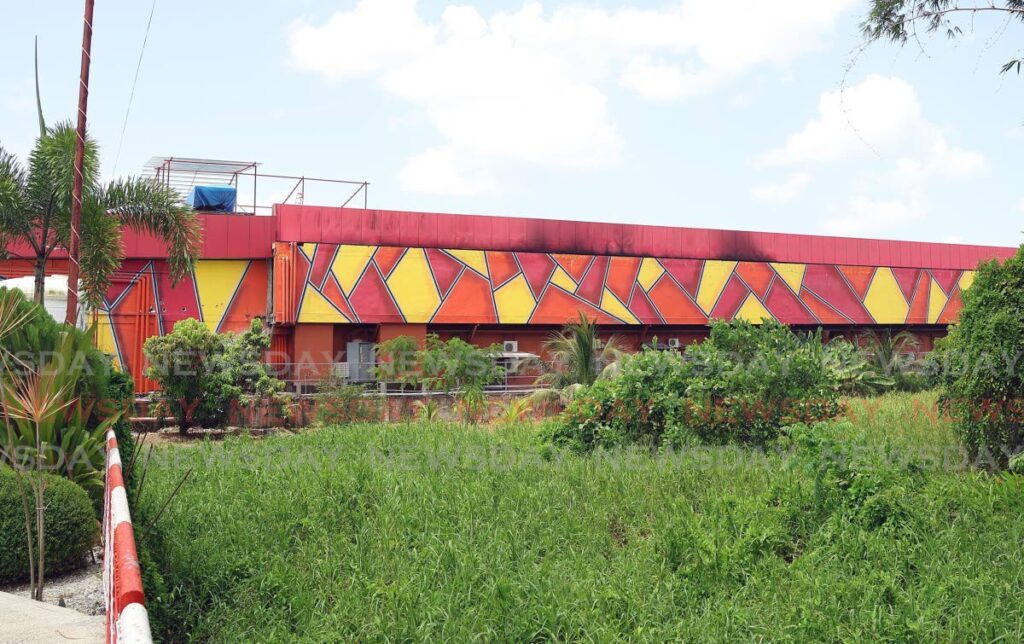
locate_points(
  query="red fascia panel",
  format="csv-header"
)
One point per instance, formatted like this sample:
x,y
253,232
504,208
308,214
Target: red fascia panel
x,y
224,237
396,228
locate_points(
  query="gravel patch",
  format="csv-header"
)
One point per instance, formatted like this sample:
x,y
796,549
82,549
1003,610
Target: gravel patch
x,y
81,590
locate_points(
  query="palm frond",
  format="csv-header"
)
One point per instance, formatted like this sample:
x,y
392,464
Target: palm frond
x,y
101,253
147,206
13,204
52,173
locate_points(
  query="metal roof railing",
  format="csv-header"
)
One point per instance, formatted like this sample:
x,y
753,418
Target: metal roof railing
x,y
261,190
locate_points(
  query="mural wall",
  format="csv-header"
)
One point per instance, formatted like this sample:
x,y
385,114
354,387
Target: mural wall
x,y
224,294
348,284
383,284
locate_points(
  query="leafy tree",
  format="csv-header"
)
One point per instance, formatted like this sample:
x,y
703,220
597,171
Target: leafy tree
x,y
399,361
203,373
902,20
458,367
242,364
182,362
35,208
984,368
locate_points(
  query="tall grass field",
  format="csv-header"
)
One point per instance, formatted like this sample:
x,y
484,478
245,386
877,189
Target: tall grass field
x,y
866,528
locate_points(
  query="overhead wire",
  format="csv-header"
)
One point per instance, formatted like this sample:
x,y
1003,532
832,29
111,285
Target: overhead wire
x,y
135,82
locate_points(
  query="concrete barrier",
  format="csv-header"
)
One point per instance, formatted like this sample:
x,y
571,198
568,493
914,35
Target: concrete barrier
x,y
127,619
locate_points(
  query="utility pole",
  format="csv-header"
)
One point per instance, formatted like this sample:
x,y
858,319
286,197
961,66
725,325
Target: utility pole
x,y
76,191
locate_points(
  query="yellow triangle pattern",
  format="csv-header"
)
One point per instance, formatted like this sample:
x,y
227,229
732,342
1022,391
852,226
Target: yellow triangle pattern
x,y
884,299
792,274
216,281
612,305
753,311
412,286
514,301
936,302
562,279
712,281
472,258
966,280
349,264
317,309
105,341
650,271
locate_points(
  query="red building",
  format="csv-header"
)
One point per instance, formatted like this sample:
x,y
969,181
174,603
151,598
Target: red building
x,y
330,278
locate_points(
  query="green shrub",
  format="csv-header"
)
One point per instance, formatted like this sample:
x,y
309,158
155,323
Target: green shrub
x,y
182,362
202,373
743,384
747,381
70,526
32,342
339,403
639,405
851,481
984,372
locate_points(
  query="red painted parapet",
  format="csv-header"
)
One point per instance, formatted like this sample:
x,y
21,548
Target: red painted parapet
x,y
127,619
330,225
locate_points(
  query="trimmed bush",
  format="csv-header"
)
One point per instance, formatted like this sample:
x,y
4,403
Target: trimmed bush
x,y
984,372
71,527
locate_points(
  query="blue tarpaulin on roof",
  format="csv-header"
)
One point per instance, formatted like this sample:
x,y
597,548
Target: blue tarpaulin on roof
x,y
215,198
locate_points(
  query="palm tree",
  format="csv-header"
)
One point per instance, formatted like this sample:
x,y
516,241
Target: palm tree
x,y
35,208
887,351
577,359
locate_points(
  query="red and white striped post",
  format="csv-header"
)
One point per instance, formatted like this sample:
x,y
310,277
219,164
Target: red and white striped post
x,y
127,619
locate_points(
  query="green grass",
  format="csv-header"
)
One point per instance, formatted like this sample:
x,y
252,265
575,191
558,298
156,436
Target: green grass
x,y
415,532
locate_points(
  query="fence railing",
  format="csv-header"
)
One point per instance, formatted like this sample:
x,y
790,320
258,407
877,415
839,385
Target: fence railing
x,y
127,618
303,376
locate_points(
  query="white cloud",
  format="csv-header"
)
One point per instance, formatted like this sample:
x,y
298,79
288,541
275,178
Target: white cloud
x,y
438,171
529,86
370,38
788,190
864,216
890,153
872,117
654,80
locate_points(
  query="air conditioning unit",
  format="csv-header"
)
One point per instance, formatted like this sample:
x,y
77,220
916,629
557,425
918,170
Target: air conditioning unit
x,y
510,346
674,343
341,370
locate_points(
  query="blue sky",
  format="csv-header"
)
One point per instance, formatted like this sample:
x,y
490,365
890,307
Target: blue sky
x,y
743,115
